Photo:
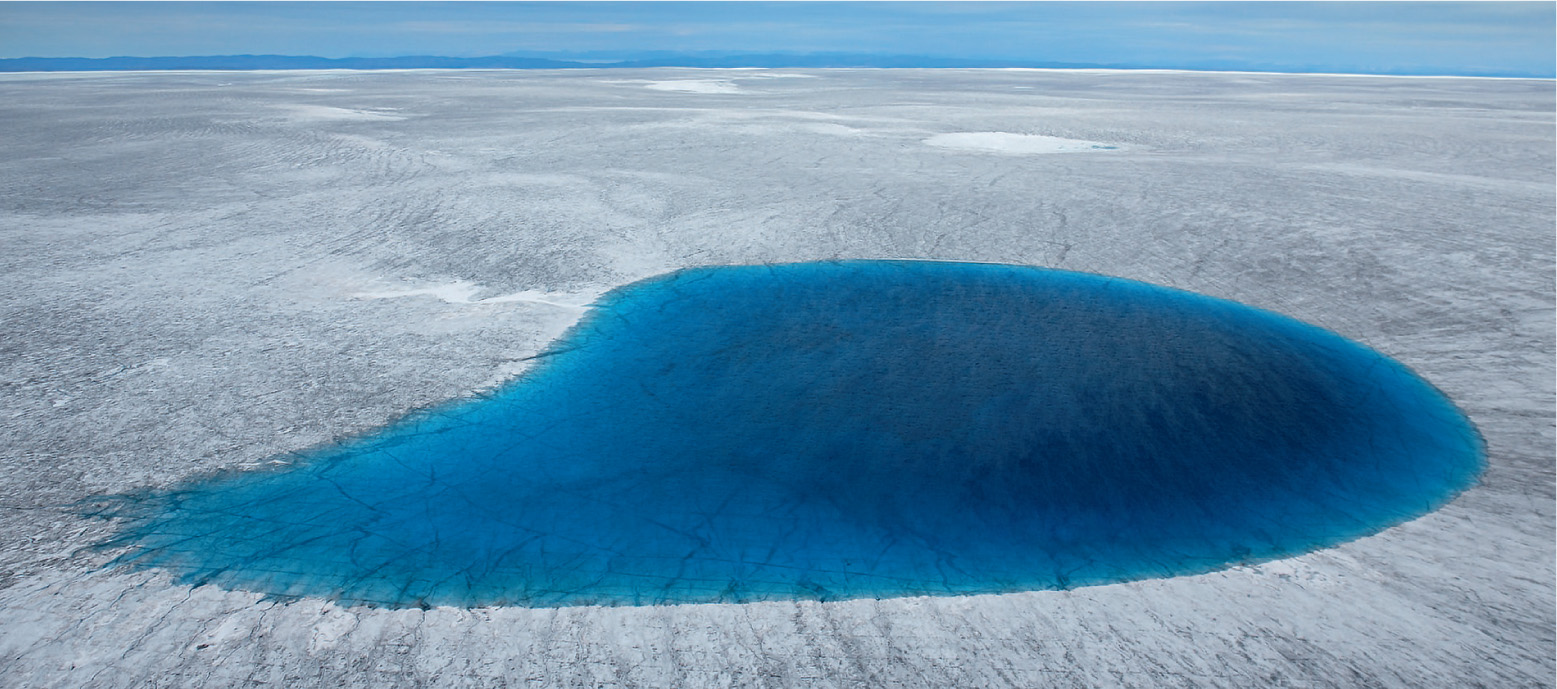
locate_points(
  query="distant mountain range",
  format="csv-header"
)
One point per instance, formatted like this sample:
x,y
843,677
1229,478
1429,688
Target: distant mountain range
x,y
602,60
249,62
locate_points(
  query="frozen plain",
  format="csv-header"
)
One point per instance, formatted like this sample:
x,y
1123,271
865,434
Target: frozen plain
x,y
210,270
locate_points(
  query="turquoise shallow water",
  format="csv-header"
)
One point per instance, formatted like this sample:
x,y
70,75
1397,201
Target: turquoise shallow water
x,y
842,430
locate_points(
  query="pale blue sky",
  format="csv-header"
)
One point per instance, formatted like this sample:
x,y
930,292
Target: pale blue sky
x,y
1436,37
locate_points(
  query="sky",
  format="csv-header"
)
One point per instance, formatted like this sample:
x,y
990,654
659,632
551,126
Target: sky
x,y
1514,38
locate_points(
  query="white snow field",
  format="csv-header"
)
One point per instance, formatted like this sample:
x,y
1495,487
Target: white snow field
x,y
209,271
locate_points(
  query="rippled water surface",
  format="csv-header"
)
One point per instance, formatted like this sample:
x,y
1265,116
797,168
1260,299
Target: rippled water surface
x,y
841,430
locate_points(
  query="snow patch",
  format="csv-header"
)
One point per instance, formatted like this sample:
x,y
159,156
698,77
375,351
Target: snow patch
x,y
1015,144
694,86
327,113
778,75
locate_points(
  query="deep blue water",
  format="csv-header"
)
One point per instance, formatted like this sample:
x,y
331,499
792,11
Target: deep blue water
x,y
842,430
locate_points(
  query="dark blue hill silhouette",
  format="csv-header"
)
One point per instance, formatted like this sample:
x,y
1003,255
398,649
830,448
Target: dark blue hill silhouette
x,y
841,430
657,59
253,62
661,59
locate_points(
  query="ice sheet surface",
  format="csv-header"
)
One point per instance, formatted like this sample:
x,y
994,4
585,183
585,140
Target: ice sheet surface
x,y
843,430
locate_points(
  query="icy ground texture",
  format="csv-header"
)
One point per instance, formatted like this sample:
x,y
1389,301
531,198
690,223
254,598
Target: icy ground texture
x,y
200,276
844,430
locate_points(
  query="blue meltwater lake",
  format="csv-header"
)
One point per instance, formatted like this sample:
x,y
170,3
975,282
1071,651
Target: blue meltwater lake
x,y
844,430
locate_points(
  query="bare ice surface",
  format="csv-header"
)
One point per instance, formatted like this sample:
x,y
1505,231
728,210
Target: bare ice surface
x,y
187,254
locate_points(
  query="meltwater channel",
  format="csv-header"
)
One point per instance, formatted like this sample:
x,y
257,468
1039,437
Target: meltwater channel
x,y
843,430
